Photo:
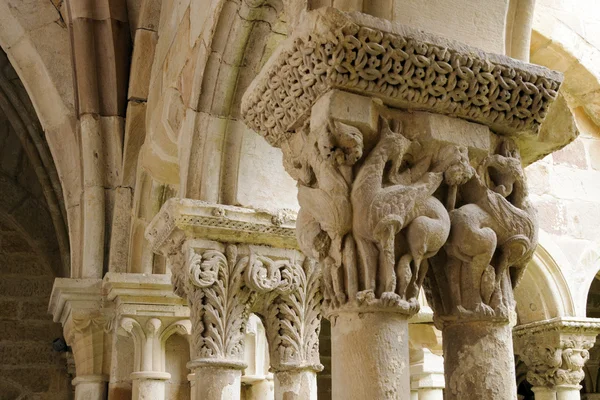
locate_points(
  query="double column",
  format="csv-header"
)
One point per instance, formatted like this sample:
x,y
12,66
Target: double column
x,y
395,195
555,352
229,262
149,337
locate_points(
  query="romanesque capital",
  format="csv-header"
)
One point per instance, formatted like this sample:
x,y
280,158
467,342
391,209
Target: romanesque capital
x,y
229,262
387,195
76,304
146,309
556,351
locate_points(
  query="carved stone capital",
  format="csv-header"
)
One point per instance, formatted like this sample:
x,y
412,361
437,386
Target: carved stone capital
x,y
293,320
380,189
556,351
234,261
149,336
76,304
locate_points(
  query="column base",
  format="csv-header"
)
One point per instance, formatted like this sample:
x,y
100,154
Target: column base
x,y
370,356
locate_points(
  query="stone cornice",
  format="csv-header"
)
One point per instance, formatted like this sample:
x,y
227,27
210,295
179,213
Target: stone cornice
x,y
143,295
404,67
180,218
561,325
74,294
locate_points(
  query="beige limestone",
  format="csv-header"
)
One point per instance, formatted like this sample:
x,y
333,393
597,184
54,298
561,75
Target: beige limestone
x,y
479,361
248,259
356,162
556,351
382,371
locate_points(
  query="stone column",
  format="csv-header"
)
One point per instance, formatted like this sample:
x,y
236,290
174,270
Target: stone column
x,y
228,262
380,189
147,310
292,314
149,337
76,304
427,374
555,351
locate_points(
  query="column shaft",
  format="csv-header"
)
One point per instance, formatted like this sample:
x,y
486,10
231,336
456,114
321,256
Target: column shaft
x,y
479,361
148,389
217,383
568,392
370,356
90,387
544,393
431,394
296,385
260,390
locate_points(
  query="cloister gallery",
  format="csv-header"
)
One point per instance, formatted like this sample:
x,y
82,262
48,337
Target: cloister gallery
x,y
300,199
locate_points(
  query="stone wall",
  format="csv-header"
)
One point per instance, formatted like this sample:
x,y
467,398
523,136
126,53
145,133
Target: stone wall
x,y
565,188
28,364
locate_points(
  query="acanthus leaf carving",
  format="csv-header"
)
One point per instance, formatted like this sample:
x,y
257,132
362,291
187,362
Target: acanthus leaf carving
x,y
219,310
293,321
553,365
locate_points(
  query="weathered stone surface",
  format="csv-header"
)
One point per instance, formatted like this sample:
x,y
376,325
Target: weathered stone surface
x,y
145,44
572,155
279,99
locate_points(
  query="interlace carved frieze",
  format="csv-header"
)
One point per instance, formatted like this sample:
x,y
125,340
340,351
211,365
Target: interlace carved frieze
x,y
404,68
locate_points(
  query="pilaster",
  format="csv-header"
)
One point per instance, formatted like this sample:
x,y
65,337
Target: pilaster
x,y
229,262
555,351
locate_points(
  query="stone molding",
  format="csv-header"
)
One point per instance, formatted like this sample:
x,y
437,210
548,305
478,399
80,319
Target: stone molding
x,y
403,67
219,222
555,351
74,294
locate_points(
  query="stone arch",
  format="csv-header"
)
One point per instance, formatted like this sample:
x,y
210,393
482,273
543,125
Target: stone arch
x,y
589,261
194,136
36,41
543,293
555,45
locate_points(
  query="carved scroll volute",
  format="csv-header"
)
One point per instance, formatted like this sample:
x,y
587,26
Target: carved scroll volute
x,y
265,275
220,304
493,237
